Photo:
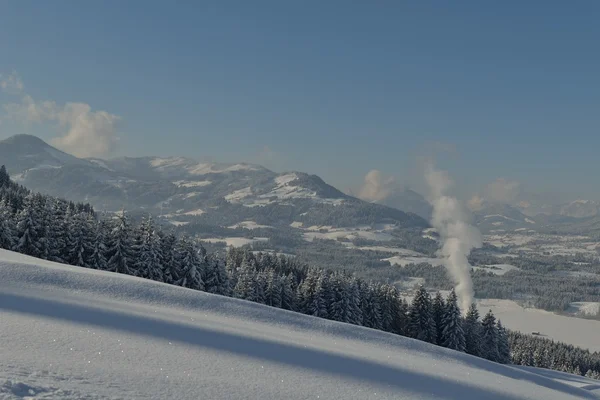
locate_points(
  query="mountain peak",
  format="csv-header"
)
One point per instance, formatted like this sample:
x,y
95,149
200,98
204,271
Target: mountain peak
x,y
25,141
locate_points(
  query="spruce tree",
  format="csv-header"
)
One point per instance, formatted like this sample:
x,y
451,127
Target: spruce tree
x,y
288,294
371,308
490,337
58,232
438,313
473,331
216,280
192,266
79,246
504,347
421,324
28,229
96,258
453,336
7,226
171,269
148,262
119,249
4,177
273,290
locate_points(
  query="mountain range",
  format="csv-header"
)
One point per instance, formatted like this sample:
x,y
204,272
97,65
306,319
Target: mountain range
x,y
182,189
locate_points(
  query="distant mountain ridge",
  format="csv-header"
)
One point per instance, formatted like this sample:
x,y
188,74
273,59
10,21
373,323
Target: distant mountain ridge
x,y
184,189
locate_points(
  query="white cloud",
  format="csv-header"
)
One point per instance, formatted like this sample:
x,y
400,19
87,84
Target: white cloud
x,y
11,83
376,187
83,132
503,191
476,203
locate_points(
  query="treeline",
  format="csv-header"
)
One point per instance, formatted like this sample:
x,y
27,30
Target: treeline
x,y
535,351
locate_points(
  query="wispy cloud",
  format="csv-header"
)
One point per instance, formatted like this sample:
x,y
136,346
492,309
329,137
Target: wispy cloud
x,y
11,83
83,132
376,187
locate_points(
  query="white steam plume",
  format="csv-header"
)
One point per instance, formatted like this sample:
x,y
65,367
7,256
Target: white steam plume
x,y
458,236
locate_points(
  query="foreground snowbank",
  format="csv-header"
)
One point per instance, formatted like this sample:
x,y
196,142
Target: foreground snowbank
x,y
67,332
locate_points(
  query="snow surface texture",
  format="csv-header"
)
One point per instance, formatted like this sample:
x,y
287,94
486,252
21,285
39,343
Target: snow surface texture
x,y
72,333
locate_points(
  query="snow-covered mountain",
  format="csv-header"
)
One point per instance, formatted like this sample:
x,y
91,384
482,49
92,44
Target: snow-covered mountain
x,y
73,333
580,209
408,200
183,189
502,217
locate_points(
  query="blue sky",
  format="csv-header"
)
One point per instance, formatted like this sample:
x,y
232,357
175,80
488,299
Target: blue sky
x,y
335,88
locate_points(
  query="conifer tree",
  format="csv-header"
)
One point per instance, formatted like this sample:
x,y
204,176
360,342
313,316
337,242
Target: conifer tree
x,y
148,263
7,226
28,229
80,243
58,232
4,177
371,309
171,269
453,336
192,267
119,250
504,347
216,280
274,289
288,294
355,314
473,332
421,324
96,258
490,337
438,313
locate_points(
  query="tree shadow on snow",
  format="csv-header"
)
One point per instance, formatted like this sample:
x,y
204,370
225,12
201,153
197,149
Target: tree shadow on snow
x,y
295,356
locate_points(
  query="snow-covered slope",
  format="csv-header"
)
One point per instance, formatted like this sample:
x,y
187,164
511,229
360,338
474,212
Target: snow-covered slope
x,y
67,332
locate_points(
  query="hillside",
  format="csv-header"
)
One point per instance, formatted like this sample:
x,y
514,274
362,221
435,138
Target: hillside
x,y
75,333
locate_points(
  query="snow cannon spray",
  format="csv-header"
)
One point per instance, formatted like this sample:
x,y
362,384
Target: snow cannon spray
x,y
457,235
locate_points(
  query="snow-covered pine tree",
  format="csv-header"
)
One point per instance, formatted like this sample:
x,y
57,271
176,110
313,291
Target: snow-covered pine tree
x,y
273,290
28,229
354,300
438,312
314,292
371,309
119,248
504,347
338,300
44,218
453,336
490,337
58,231
388,298
473,331
4,177
96,258
420,319
192,266
400,322
171,269
7,226
79,246
261,286
216,280
307,291
288,294
148,263
245,287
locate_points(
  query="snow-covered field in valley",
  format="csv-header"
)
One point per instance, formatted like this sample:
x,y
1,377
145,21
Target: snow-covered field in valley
x,y
72,333
576,331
